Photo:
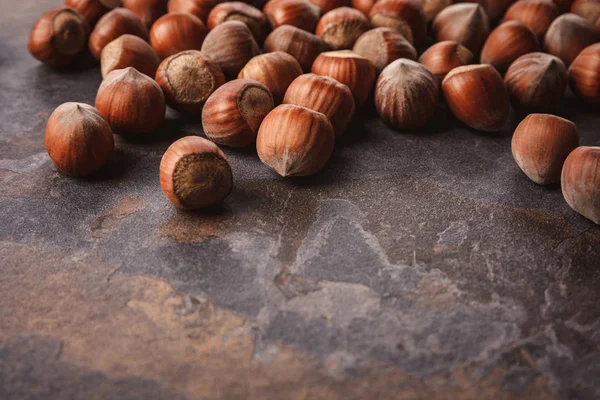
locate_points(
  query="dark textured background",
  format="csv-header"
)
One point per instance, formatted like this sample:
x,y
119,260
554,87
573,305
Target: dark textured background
x,y
416,265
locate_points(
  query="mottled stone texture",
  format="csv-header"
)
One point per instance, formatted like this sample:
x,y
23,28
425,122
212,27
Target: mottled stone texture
x,y
415,266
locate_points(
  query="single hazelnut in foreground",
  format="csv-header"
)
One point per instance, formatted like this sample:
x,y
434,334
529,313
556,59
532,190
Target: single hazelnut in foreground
x,y
176,32
233,113
237,11
148,10
568,35
325,95
341,27
78,139
536,14
508,42
580,181
540,145
231,45
129,51
58,37
92,10
588,9
302,45
348,68
298,13
536,82
198,8
194,173
432,8
404,16
295,141
443,57
584,74
188,79
381,46
131,102
275,70
465,23
406,95
476,96
328,5
114,24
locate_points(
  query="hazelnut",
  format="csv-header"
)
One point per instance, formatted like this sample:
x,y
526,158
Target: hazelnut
x,y
341,27
129,51
406,95
198,8
584,74
114,24
328,5
324,95
188,79
176,32
58,37
508,42
465,23
298,13
295,141
275,70
494,8
237,11
405,16
443,57
476,96
432,8
588,9
536,14
348,68
580,181
540,145
148,10
563,5
234,112
194,173
78,139
568,35
364,6
131,102
302,45
381,46
92,10
231,45
536,82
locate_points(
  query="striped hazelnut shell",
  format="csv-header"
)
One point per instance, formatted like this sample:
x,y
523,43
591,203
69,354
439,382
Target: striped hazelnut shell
x,y
302,45
400,15
381,46
568,35
299,13
508,42
129,51
584,74
341,27
465,23
444,56
536,14
237,11
580,182
114,24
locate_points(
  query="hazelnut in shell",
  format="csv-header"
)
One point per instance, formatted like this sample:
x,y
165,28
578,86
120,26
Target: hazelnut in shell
x,y
381,46
302,45
540,145
444,56
494,8
348,68
234,112
465,23
536,82
580,181
404,16
364,6
406,95
78,139
508,42
188,79
114,24
476,96
536,14
92,10
198,8
295,141
176,32
324,95
432,8
231,45
584,74
129,51
568,35
131,102
237,11
148,10
341,27
58,36
588,9
194,173
298,13
328,5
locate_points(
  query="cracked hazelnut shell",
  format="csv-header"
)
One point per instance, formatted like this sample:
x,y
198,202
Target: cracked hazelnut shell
x,y
580,181
237,11
404,16
92,10
299,13
114,24
568,35
506,43
303,46
341,27
536,14
465,23
129,51
381,46
444,56
584,74
176,32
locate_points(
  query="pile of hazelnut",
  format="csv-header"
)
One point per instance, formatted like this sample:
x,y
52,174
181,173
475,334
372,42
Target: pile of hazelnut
x,y
320,61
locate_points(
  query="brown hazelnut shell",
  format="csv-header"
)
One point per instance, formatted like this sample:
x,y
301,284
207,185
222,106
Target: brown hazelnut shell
x,y
584,74
536,14
295,141
187,79
237,11
341,27
198,8
92,10
132,103
588,9
194,173
129,51
540,145
400,14
78,139
493,8
148,10
580,182
381,46
176,32
506,43
325,95
432,8
328,5
364,6
303,46
568,35
114,24
444,56
234,112
465,23
298,13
